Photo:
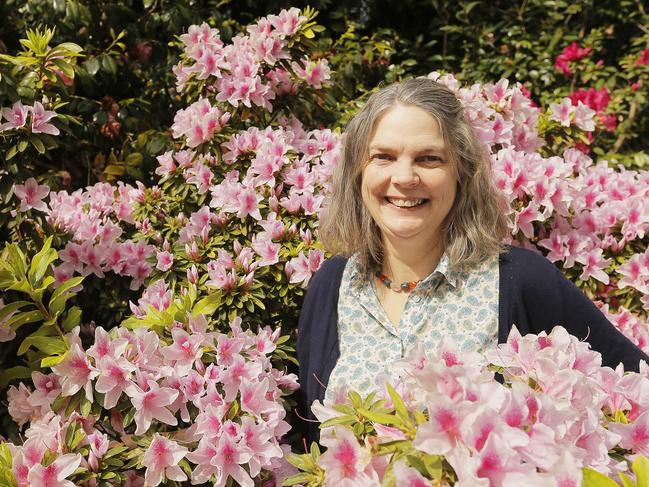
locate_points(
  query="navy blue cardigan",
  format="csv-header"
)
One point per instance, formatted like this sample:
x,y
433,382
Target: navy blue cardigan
x,y
533,294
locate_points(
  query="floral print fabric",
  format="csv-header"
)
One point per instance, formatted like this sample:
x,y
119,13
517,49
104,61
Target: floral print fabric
x,y
459,305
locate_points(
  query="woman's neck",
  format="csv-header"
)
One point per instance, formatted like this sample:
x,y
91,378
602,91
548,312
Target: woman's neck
x,y
409,261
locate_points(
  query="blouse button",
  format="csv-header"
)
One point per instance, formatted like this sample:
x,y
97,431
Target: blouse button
x,y
416,298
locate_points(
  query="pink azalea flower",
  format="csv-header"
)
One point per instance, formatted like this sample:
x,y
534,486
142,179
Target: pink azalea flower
x,y
583,117
562,112
150,405
594,265
40,119
288,21
408,477
20,409
98,447
202,457
16,116
248,204
201,176
267,250
524,218
345,461
76,372
166,164
114,377
228,458
442,431
635,436
54,475
184,351
31,195
161,461
253,397
47,388
165,261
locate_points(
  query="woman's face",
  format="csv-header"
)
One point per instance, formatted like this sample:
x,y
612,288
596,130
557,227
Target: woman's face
x,y
409,184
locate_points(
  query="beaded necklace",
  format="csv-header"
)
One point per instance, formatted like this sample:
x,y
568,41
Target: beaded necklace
x,y
397,288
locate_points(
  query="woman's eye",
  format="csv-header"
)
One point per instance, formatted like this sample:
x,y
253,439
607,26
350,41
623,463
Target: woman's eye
x,y
430,159
382,157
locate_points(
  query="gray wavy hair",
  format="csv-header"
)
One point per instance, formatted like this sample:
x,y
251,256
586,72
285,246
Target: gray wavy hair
x,y
476,225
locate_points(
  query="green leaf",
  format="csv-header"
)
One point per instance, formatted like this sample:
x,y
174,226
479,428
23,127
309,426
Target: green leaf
x,y
41,262
641,469
626,481
65,286
47,345
298,478
23,318
92,66
208,304
381,418
344,420
65,67
593,478
38,144
399,405
72,319
9,308
12,151
116,450
17,372
109,64
53,360
85,407
16,259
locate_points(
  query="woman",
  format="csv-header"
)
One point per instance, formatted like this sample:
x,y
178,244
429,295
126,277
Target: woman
x,y
416,226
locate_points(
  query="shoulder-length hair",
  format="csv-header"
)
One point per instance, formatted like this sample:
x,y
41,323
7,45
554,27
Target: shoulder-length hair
x,y
476,225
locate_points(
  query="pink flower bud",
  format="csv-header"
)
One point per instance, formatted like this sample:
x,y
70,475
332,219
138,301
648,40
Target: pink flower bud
x,y
192,274
306,237
205,234
273,203
192,251
248,280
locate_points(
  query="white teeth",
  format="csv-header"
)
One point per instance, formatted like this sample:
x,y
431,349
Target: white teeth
x,y
405,203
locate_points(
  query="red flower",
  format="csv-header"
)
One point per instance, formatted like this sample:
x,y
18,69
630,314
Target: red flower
x,y
572,52
597,100
643,60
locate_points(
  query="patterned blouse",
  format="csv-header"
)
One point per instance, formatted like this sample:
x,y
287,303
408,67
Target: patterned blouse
x,y
461,305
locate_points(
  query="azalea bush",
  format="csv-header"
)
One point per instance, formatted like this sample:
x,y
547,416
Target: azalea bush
x,y
558,418
235,206
144,407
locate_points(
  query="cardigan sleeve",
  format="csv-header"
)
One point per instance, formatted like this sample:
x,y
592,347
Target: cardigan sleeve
x,y
317,340
541,297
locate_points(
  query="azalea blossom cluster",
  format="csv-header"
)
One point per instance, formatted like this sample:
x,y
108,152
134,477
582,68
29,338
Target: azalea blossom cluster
x,y
572,52
214,400
271,180
18,115
557,411
577,213
246,72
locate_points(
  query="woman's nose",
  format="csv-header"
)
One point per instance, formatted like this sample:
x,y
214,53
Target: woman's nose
x,y
405,173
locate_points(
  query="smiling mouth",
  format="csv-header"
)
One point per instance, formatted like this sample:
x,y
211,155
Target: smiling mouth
x,y
406,203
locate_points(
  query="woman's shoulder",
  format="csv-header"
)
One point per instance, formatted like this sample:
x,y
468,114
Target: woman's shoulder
x,y
330,271
525,264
